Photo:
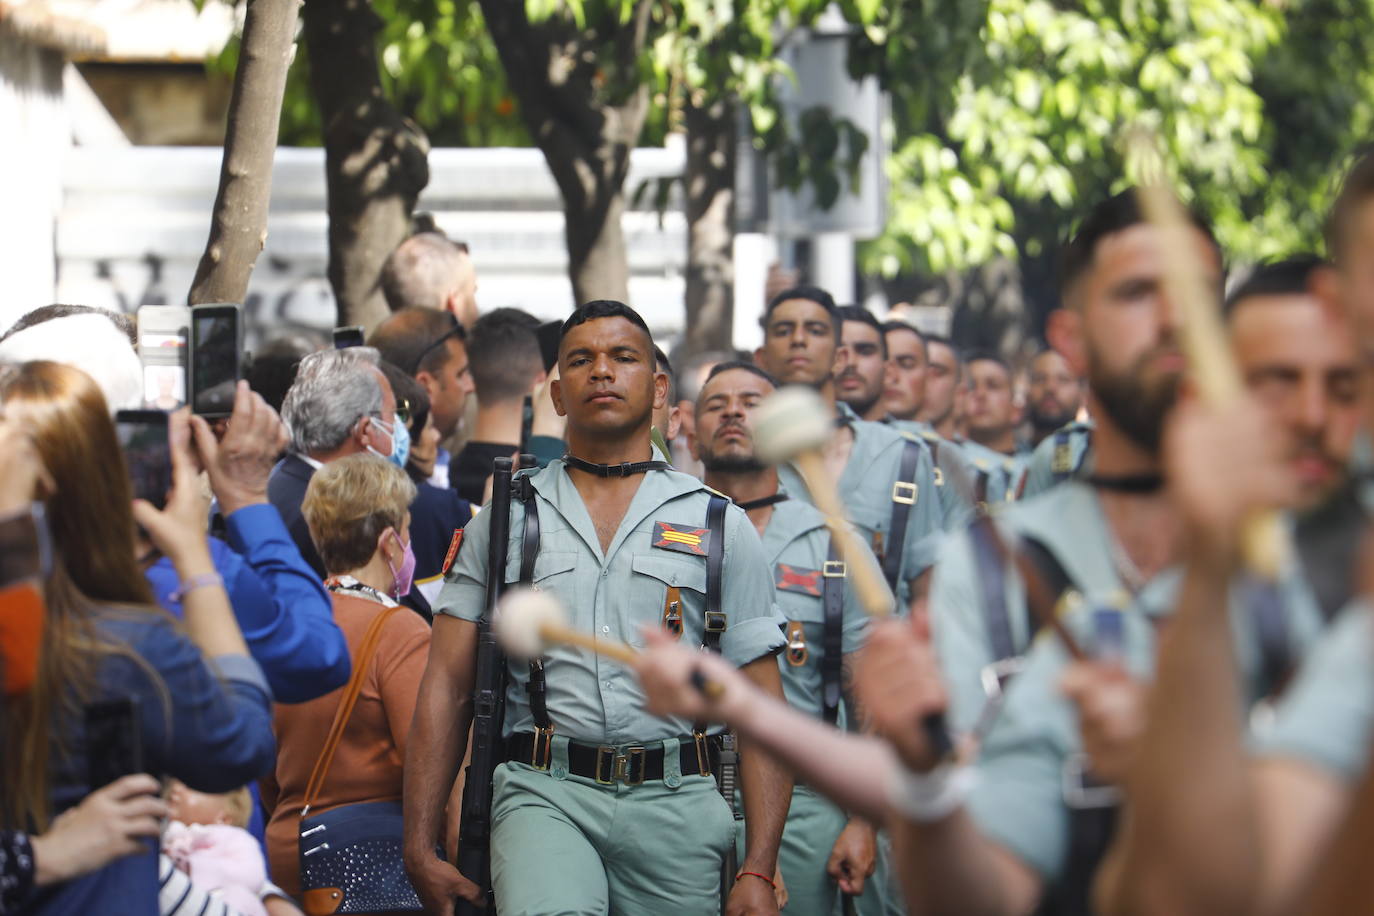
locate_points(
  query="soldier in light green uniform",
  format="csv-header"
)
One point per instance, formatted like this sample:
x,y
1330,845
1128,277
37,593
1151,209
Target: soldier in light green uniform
x,y
1016,837
882,477
996,477
608,808
1065,454
823,851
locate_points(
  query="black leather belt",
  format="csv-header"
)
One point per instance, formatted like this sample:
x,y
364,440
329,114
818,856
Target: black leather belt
x,y
608,763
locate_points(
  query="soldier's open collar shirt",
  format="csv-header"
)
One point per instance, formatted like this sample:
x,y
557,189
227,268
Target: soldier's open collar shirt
x,y
613,595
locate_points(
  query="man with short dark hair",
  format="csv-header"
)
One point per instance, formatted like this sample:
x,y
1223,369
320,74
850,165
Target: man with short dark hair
x,y
886,479
992,414
943,381
1054,395
429,345
429,270
823,852
602,806
860,380
506,365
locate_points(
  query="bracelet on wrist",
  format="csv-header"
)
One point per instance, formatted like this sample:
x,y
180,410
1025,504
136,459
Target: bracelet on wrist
x,y
754,874
929,797
204,580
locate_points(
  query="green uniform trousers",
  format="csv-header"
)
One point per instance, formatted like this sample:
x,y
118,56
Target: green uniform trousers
x,y
564,844
813,823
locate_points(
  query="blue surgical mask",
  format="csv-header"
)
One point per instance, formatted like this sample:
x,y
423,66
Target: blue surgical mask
x,y
400,443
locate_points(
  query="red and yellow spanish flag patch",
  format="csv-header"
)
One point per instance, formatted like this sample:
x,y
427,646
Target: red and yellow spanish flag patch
x,y
695,541
452,554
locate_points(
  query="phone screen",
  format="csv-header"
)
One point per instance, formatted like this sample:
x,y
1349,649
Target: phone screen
x,y
114,744
143,437
348,337
214,360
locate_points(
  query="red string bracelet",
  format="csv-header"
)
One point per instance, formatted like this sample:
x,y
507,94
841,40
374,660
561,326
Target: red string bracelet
x,y
759,876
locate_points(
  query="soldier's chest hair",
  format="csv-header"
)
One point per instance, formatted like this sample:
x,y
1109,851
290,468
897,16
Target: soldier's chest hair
x,y
607,510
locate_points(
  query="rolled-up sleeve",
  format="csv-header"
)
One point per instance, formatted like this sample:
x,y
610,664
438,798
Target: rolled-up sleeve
x,y
755,624
284,610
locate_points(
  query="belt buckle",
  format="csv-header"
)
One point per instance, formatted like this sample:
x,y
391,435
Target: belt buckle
x,y
703,753
606,760
715,622
1081,790
631,766
543,747
904,492
835,569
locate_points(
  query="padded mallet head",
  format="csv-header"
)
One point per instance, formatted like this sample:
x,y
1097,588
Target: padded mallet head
x,y
521,618
790,421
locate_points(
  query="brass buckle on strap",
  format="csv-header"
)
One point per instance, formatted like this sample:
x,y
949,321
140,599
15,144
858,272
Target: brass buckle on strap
x,y
605,764
715,622
543,748
703,753
835,569
904,492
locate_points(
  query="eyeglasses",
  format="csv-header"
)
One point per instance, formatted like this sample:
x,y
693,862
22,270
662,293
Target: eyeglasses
x,y
455,331
403,411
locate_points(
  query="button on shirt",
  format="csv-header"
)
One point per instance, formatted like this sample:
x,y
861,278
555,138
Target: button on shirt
x,y
797,544
866,489
594,699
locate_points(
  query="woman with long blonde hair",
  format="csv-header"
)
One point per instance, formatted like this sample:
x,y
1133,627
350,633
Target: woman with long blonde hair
x,y
200,703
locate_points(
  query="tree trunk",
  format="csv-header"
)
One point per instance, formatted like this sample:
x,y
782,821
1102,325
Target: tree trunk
x,y
710,182
376,161
238,226
585,122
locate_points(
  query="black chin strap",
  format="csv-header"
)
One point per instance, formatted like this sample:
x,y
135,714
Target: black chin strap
x,y
763,501
625,469
1128,483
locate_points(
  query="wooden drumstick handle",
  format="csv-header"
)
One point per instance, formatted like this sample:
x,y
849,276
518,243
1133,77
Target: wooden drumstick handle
x,y
610,648
868,581
1264,540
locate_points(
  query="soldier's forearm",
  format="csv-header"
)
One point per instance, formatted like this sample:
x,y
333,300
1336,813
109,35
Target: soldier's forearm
x,y
766,784
1192,759
437,743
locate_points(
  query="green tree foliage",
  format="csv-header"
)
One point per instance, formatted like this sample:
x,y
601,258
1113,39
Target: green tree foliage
x,y
1012,118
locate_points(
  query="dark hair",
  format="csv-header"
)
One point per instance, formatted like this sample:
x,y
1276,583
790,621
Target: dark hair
x,y
810,294
733,364
410,396
412,338
1108,217
274,367
970,357
503,352
603,308
1356,188
1289,277
665,366
864,316
50,312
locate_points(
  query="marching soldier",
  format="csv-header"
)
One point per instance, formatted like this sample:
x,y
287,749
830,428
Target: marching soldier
x,y
824,852
601,806
885,479
1033,826
1065,454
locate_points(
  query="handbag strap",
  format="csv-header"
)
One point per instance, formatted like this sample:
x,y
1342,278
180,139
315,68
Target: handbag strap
x,y
352,689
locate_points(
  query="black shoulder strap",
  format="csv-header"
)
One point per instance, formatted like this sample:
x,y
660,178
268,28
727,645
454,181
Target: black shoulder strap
x,y
832,635
715,564
537,688
991,573
904,492
1267,610
990,566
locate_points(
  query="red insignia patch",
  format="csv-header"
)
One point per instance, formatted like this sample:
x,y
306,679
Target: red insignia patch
x,y
695,541
452,554
796,579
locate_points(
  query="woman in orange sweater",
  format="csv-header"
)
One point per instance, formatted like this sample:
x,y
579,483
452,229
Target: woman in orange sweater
x,y
357,511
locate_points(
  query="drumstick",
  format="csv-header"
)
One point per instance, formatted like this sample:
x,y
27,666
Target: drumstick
x,y
1211,363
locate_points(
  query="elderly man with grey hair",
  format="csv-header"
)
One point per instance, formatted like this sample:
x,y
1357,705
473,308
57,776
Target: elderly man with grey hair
x,y
340,404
